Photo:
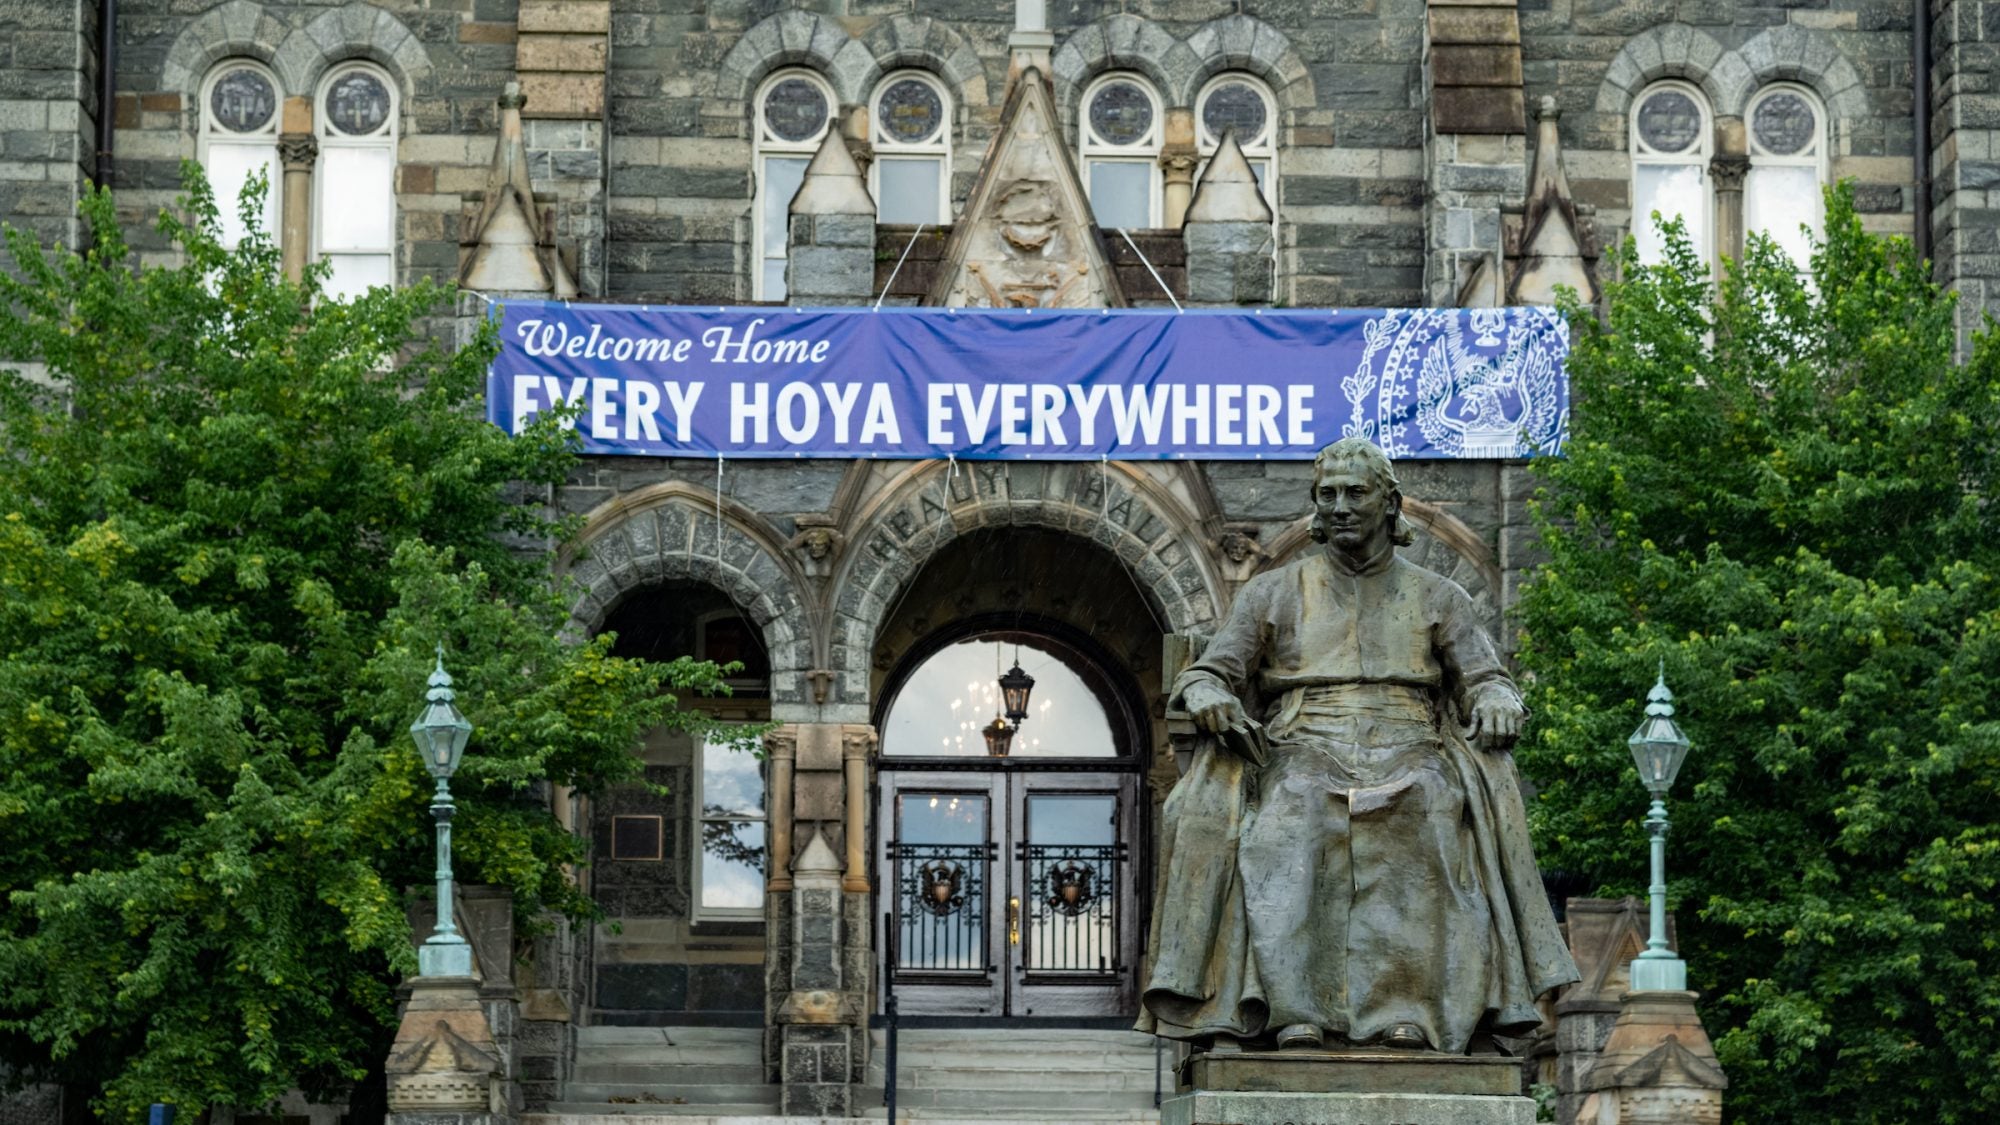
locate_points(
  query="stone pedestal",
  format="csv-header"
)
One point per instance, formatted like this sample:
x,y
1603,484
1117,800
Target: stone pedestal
x,y
1348,1088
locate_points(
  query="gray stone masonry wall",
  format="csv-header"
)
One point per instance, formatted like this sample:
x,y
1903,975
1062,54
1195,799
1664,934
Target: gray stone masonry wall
x,y
1343,71
48,111
1228,263
1595,56
1965,147
831,260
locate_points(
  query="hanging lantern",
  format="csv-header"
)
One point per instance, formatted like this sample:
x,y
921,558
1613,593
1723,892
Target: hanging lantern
x,y
998,736
1015,688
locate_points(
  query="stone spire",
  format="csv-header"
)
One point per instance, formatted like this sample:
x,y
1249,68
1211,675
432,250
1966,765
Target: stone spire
x,y
1229,192
1552,248
510,252
833,183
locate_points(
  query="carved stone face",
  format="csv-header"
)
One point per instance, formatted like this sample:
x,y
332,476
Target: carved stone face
x,y
819,543
1237,547
1356,510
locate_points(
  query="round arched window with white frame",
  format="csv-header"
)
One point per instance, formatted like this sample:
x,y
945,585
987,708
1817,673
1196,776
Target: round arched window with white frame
x,y
1672,141
1241,105
1788,165
1121,127
355,120
238,139
793,110
910,120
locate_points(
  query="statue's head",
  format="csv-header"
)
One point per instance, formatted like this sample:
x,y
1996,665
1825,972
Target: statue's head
x,y
1356,497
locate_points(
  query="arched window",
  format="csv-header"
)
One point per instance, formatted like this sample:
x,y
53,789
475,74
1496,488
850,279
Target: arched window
x,y
1781,195
943,706
1672,141
239,138
1239,104
354,219
1121,128
911,178
794,110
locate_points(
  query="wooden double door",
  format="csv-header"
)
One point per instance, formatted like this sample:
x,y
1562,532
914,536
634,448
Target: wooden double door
x,y
1010,891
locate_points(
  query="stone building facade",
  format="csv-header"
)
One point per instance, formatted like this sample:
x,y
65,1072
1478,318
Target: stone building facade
x,y
1302,153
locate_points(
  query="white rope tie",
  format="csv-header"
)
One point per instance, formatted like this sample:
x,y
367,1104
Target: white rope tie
x,y
898,268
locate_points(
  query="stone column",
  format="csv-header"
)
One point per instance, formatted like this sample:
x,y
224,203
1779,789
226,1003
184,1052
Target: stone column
x,y
298,150
1178,160
781,749
819,1022
562,56
857,745
1729,173
830,254
1228,235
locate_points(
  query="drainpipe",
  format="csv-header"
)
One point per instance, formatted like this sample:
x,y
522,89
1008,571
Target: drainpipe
x,y
107,87
1921,150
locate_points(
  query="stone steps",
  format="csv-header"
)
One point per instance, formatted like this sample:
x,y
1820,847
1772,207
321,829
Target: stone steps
x,y
1015,1074
676,1072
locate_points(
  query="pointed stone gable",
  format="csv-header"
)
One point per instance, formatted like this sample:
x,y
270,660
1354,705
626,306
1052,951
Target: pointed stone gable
x,y
1026,238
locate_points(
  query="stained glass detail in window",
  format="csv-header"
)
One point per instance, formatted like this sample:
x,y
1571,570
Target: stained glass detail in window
x,y
1121,114
1669,121
911,111
1784,124
1234,107
794,110
357,104
242,101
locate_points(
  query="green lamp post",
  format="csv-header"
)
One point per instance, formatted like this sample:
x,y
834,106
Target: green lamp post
x,y
441,733
1658,747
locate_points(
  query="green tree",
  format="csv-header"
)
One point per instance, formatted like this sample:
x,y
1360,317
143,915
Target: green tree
x,y
1782,485
235,517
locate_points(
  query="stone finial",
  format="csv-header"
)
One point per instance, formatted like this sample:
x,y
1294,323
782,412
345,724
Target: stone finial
x,y
1229,192
509,248
833,182
1552,243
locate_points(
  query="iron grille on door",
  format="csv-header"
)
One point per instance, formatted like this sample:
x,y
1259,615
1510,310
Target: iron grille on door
x,y
941,907
1072,908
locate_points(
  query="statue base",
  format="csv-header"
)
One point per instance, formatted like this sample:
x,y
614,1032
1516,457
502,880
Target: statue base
x,y
1348,1088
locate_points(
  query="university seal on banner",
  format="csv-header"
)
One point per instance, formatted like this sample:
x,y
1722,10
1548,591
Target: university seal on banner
x,y
1473,383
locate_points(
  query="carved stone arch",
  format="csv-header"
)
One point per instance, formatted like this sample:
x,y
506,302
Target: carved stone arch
x,y
1811,58
1121,508
357,31
923,43
1444,543
1240,42
1672,50
668,531
795,37
237,29
1120,42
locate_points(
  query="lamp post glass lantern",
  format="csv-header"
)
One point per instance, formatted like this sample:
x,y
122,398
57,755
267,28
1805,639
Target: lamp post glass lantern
x,y
1015,687
441,733
1658,748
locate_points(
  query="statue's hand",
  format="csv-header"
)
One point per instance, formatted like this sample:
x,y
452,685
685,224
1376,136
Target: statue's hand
x,y
1496,722
1214,709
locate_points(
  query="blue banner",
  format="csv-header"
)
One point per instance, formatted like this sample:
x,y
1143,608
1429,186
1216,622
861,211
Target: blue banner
x,y
1036,384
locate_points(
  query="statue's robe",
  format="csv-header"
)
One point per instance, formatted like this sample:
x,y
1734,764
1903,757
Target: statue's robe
x,y
1376,870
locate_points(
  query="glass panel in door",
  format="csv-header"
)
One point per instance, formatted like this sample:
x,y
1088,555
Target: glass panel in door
x,y
1072,890
941,866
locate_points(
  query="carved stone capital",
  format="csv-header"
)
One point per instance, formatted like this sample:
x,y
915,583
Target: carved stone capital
x,y
1179,166
298,151
1729,172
